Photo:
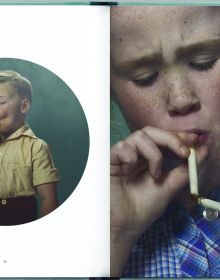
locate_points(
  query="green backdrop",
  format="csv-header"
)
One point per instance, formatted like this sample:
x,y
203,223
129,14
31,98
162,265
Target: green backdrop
x,y
57,117
118,128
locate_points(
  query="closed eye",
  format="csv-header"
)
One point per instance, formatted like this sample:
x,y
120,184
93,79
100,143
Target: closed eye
x,y
146,81
203,65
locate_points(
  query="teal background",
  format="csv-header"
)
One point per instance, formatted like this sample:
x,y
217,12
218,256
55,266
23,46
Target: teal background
x,y
118,127
57,117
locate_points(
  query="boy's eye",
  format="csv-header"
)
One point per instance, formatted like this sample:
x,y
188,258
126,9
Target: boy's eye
x,y
3,100
203,65
146,81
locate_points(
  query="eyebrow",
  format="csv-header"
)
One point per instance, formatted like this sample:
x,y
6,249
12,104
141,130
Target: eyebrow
x,y
126,67
154,59
192,49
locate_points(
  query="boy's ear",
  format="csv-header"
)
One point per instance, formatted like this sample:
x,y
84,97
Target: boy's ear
x,y
25,105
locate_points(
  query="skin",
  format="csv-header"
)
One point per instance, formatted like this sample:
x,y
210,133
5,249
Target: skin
x,y
48,197
165,73
13,110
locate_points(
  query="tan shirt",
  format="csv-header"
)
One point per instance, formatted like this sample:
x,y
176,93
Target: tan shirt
x,y
25,162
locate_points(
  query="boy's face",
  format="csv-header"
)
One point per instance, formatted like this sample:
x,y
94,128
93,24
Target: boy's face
x,y
165,70
12,113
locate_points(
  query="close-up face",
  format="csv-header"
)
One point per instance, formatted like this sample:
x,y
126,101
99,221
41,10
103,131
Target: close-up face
x,y
165,69
11,115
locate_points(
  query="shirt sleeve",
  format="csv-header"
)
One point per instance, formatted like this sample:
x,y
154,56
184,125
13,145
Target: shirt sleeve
x,y
44,170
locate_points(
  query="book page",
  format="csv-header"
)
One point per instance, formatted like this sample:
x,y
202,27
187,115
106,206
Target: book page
x,y
70,43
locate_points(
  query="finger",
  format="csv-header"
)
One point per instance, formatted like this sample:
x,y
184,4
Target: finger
x,y
129,169
168,140
146,142
127,152
145,147
121,154
142,143
133,170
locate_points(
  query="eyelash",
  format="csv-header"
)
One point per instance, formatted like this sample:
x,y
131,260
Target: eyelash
x,y
147,82
206,66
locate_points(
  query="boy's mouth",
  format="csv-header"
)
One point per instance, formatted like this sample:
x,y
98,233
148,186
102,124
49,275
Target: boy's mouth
x,y
203,136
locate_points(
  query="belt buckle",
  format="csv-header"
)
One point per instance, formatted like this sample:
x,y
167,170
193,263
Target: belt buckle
x,y
3,201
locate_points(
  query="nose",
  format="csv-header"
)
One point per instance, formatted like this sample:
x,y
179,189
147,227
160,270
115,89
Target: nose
x,y
182,99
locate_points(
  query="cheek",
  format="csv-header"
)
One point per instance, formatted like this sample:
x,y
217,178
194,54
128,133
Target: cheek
x,y
139,105
208,90
3,112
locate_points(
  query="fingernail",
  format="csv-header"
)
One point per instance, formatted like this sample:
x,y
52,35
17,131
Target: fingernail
x,y
184,150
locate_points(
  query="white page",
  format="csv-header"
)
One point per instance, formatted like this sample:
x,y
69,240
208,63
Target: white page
x,y
72,42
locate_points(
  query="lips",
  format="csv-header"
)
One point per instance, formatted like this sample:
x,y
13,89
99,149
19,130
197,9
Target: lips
x,y
203,136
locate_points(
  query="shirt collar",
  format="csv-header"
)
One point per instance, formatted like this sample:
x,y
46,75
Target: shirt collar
x,y
24,130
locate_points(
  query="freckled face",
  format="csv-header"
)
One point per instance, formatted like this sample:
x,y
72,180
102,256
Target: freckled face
x,y
11,116
165,68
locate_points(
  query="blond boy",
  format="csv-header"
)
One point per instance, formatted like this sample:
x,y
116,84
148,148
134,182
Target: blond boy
x,y
26,165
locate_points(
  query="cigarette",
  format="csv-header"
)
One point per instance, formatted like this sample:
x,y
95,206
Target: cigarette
x,y
193,178
208,203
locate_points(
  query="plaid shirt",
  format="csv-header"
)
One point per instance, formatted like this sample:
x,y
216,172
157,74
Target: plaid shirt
x,y
177,245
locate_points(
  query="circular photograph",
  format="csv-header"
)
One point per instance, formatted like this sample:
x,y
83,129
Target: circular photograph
x,y
44,141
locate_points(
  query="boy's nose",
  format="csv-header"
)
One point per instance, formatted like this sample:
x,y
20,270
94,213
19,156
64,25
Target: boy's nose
x,y
182,99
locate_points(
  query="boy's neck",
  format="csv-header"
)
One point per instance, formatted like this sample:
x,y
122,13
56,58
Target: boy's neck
x,y
9,133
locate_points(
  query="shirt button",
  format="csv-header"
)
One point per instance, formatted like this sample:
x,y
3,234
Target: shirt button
x,y
4,201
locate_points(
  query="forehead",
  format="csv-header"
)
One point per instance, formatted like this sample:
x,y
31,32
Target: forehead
x,y
132,19
152,27
7,89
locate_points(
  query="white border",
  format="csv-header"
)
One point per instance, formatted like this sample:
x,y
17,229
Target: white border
x,y
72,42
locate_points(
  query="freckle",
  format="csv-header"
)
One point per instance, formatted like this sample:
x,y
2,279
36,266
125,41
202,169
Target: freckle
x,y
120,39
184,21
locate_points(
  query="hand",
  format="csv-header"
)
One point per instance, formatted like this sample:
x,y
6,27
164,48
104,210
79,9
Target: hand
x,y
141,186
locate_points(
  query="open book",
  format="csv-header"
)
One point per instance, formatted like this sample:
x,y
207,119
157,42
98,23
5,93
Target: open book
x,y
64,51
63,48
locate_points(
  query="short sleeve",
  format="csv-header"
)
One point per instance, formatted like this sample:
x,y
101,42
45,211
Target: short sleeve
x,y
44,170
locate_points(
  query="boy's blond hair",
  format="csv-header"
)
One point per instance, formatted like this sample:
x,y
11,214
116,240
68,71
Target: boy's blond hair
x,y
21,84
